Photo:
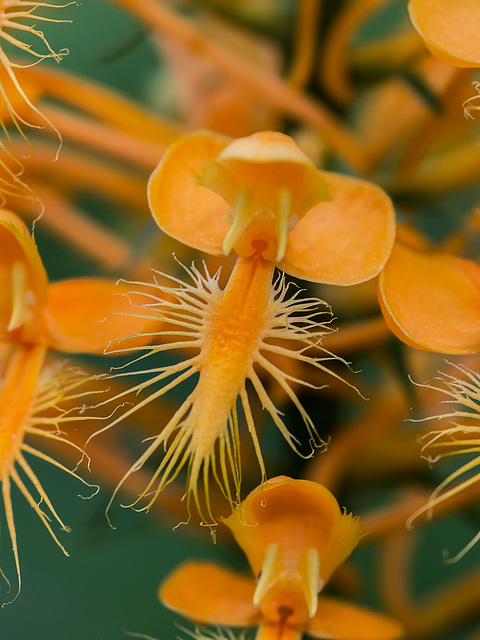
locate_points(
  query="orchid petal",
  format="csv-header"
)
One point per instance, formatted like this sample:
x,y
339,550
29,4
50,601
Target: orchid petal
x,y
432,302
208,594
294,514
85,315
449,29
180,205
339,620
23,281
346,240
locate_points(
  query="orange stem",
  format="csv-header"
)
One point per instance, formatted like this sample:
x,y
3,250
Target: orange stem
x,y
102,103
275,91
335,55
77,172
441,611
103,138
306,41
356,336
74,227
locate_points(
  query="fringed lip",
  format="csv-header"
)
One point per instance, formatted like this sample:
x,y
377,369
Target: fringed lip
x,y
231,335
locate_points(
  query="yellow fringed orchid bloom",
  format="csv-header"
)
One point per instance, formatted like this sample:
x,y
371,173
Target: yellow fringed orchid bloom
x,y
263,199
294,536
36,397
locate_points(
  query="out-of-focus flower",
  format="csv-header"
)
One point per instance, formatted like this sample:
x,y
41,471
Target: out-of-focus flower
x,y
449,29
431,300
17,32
294,536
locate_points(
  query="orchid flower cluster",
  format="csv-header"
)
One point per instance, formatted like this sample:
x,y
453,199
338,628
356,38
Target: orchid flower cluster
x,y
253,341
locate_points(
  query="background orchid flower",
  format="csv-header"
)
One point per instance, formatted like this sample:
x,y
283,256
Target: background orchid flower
x,y
294,536
262,198
431,300
449,29
37,398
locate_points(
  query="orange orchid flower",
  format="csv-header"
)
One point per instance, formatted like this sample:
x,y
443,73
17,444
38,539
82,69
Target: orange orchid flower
x,y
36,397
430,300
449,29
294,536
262,198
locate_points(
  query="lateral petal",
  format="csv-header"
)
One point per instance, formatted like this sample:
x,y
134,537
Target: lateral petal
x,y
346,240
85,315
432,302
339,620
208,594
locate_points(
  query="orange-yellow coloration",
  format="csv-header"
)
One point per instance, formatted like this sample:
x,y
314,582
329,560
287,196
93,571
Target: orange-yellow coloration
x,y
280,502
264,181
261,197
17,390
346,240
15,20
263,188
232,331
449,29
32,393
231,340
432,301
294,535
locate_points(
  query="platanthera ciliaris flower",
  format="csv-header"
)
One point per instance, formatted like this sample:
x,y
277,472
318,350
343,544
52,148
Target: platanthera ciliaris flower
x,y
38,397
294,536
431,300
261,198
